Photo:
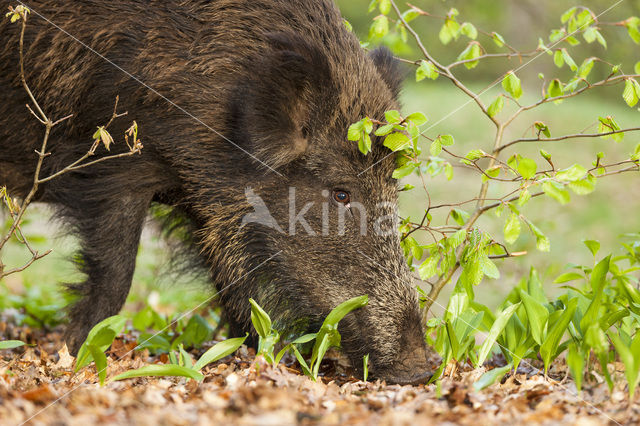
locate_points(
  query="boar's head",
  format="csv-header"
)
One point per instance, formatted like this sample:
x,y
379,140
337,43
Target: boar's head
x,y
318,214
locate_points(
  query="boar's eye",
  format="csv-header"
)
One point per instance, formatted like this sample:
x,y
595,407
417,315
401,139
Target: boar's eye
x,y
341,196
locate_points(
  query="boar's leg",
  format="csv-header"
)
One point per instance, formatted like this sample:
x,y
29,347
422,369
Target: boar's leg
x,y
110,234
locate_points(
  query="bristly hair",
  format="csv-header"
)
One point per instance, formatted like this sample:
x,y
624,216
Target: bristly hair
x,y
271,114
389,68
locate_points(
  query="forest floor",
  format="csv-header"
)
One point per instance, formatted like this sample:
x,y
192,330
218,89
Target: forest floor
x,y
38,386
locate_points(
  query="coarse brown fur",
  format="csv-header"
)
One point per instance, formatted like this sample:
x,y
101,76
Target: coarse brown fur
x,y
255,86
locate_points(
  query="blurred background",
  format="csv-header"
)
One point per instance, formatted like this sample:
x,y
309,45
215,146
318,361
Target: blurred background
x,y
613,209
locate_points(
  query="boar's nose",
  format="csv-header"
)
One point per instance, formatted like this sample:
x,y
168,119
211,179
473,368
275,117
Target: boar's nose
x,y
411,369
418,375
419,378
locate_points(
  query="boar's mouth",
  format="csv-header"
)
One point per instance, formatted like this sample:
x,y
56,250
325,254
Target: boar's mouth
x,y
412,368
416,374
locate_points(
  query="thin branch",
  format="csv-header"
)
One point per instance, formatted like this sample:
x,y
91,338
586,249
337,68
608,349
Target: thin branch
x,y
573,136
445,71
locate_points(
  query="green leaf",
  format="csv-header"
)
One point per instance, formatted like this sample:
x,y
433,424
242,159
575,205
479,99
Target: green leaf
x,y
636,68
568,276
558,59
397,141
393,116
585,68
355,131
10,344
429,267
511,83
379,27
573,173
364,144
385,7
496,106
537,316
450,30
426,70
417,118
410,14
527,168
460,216
143,319
448,170
632,25
100,360
303,364
405,170
549,347
185,358
542,128
498,325
575,361
436,147
319,350
609,124
597,282
590,35
469,30
339,312
384,130
365,367
446,140
568,14
472,51
492,172
542,242
490,377
630,357
630,94
474,154
489,268
260,319
219,351
569,60
498,39
593,246
101,335
601,39
556,191
512,228
555,88
160,370
524,197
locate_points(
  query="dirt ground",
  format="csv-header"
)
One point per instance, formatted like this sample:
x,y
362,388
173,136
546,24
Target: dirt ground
x,y
38,386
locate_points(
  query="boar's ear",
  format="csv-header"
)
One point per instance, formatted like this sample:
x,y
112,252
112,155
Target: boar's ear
x,y
389,69
273,109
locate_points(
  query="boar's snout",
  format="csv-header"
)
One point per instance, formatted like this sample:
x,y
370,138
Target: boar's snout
x,y
410,369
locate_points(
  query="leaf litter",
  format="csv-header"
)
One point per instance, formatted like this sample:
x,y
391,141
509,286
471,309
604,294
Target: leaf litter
x,y
38,386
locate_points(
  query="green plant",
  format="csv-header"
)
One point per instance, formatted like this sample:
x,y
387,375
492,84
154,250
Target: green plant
x,y
103,334
10,344
327,337
163,334
182,365
98,340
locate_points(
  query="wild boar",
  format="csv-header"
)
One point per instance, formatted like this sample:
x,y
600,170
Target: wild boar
x,y
243,107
